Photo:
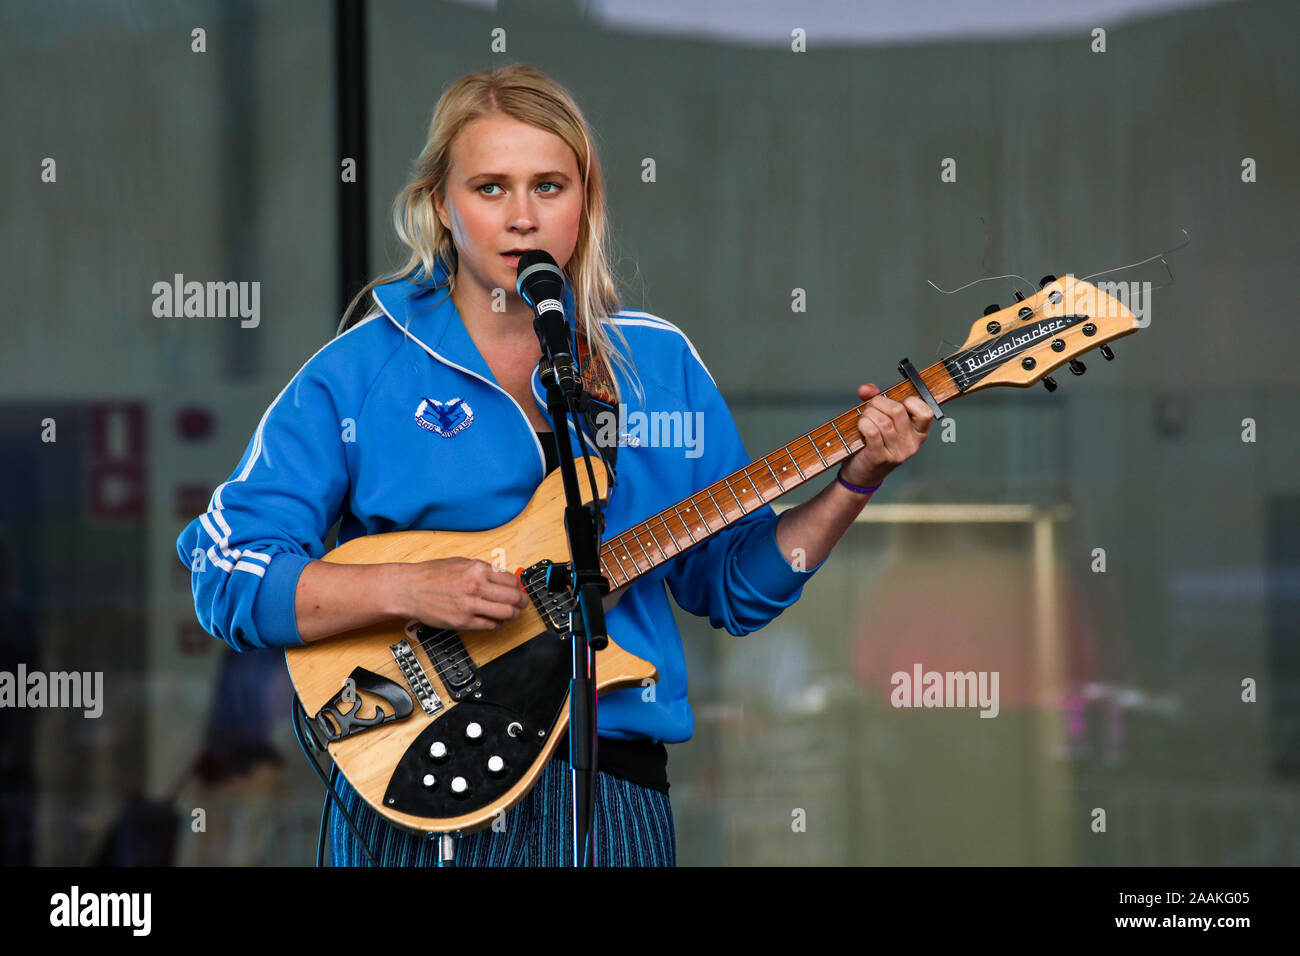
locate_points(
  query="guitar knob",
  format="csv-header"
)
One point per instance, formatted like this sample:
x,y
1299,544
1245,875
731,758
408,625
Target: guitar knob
x,y
990,309
1049,384
496,765
438,750
429,781
473,730
1077,367
459,786
1106,353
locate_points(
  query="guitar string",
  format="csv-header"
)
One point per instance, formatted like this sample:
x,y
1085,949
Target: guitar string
x,y
437,644
933,377
936,375
442,639
447,638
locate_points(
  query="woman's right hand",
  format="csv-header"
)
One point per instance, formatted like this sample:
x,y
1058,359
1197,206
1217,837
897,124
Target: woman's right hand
x,y
459,594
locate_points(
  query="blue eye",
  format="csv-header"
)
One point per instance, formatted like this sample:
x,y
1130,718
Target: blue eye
x,y
552,192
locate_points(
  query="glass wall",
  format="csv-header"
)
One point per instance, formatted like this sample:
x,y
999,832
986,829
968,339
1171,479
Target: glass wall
x,y
1119,555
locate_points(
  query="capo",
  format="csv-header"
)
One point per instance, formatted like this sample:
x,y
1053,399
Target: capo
x,y
906,368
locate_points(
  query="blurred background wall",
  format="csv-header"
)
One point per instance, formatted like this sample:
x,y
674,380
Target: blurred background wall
x,y
775,170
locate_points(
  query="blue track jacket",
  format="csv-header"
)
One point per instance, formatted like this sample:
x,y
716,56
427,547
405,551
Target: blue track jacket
x,y
370,430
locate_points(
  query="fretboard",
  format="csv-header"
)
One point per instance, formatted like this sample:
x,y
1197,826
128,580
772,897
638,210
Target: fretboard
x,y
661,537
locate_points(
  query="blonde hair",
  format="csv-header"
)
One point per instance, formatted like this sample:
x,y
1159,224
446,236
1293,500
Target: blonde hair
x,y
530,96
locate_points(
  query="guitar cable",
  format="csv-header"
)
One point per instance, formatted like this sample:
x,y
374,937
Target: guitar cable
x,y
324,817
298,715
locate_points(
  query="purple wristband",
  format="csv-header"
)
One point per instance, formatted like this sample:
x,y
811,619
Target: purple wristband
x,y
861,491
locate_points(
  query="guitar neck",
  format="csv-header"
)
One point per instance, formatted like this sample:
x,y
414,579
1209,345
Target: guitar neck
x,y
661,537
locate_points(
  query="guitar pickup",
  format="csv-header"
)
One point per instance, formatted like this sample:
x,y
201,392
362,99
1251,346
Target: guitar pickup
x,y
451,661
548,584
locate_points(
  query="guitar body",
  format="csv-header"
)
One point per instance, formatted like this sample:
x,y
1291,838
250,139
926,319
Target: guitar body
x,y
440,730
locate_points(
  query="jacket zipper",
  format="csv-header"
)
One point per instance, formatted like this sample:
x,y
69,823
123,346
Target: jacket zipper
x,y
528,426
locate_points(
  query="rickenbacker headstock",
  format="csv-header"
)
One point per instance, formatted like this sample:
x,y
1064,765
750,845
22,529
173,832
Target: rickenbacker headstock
x,y
1026,341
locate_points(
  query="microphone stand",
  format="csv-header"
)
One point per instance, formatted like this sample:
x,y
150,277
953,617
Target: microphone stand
x,y
582,524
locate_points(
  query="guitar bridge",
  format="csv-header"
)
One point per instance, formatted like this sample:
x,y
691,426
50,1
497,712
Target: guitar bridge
x,y
416,678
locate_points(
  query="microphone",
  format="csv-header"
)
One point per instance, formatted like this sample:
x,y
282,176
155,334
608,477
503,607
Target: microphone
x,y
541,286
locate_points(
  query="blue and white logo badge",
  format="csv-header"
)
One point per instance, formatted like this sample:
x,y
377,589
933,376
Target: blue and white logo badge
x,y
445,418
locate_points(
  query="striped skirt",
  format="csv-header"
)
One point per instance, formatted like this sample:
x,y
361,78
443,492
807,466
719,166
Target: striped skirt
x,y
633,826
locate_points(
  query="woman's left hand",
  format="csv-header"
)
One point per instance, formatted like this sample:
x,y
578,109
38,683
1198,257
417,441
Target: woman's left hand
x,y
893,431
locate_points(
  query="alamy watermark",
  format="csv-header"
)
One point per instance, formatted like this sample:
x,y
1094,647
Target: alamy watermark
x,y
75,908
946,689
211,300
57,689
655,429
1082,299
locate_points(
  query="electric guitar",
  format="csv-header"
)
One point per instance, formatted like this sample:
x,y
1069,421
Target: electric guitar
x,y
439,731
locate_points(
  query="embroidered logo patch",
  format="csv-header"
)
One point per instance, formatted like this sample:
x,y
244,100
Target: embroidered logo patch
x,y
445,418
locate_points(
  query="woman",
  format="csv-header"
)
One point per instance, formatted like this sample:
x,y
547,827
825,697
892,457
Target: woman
x,y
429,413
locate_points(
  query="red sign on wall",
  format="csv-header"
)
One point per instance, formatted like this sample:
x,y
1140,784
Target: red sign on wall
x,y
116,470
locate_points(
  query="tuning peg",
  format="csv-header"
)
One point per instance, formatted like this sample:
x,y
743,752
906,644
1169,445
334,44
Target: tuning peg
x,y
1049,384
990,309
1106,353
1020,296
1077,367
1046,281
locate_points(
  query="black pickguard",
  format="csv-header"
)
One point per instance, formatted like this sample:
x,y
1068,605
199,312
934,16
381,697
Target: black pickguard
x,y
527,685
